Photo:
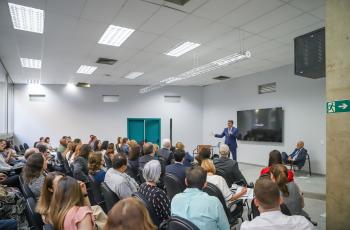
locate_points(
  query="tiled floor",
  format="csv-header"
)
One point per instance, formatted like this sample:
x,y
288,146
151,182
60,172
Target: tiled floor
x,y
313,187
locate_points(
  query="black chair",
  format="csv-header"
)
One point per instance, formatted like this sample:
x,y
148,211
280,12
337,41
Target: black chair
x,y
22,148
212,190
108,162
295,167
94,188
26,146
35,220
173,185
67,169
27,193
16,149
109,197
177,223
149,207
48,227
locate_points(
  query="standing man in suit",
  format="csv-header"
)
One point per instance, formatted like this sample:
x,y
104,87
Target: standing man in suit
x,y
230,133
297,157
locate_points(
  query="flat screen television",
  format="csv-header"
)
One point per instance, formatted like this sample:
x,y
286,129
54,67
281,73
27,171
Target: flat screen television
x,y
265,125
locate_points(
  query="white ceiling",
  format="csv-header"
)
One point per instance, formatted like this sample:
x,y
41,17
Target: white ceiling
x,y
73,27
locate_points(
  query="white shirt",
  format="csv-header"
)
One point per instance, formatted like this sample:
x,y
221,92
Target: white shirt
x,y
276,220
220,182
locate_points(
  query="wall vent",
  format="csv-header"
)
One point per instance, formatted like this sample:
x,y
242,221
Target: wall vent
x,y
178,2
267,88
172,99
106,61
37,97
110,98
221,78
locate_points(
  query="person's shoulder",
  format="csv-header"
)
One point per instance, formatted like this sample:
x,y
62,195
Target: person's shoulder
x,y
301,222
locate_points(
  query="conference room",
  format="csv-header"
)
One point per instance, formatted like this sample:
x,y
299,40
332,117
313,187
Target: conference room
x,y
174,114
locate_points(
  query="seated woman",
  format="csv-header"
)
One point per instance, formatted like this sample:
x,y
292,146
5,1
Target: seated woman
x,y
68,152
133,162
275,157
188,158
220,182
50,184
70,207
127,214
33,173
290,192
80,164
156,196
95,167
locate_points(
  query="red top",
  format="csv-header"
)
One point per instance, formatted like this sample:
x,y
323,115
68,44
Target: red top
x,y
267,171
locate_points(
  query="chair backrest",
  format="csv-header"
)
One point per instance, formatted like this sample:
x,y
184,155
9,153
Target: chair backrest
x,y
149,207
26,146
179,223
95,188
108,161
16,149
66,167
27,193
59,157
212,190
173,185
36,221
109,197
21,148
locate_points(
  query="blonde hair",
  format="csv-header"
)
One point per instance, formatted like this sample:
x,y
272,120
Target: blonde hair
x,y
129,213
66,195
180,145
208,166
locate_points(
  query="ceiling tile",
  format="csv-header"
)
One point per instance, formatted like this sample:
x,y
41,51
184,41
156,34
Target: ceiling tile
x,y
66,7
307,5
249,11
88,30
139,40
210,33
319,12
221,7
274,18
134,13
162,20
102,10
163,44
289,26
228,40
189,7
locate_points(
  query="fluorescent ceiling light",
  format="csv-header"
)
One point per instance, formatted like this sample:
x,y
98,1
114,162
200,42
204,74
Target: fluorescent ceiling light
x,y
133,75
115,35
33,82
27,18
200,70
86,69
183,48
31,63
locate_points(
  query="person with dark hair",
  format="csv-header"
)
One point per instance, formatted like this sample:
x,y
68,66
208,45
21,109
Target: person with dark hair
x,y
33,173
95,167
290,192
133,162
63,144
47,143
128,214
230,133
104,147
124,145
268,199
97,146
148,154
92,140
80,164
197,206
41,140
118,181
203,153
178,169
275,157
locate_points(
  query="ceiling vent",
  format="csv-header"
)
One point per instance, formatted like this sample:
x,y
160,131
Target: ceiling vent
x,y
221,78
172,99
83,85
178,2
267,88
106,61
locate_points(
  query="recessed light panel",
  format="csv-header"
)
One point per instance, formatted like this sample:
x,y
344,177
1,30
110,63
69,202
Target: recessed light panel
x,y
115,35
31,63
182,49
27,18
133,75
86,69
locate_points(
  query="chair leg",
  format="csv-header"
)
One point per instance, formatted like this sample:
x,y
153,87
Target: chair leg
x,y
309,167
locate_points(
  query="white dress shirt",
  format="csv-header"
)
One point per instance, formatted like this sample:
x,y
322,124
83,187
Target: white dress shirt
x,y
276,220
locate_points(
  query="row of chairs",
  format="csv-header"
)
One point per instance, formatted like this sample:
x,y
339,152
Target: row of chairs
x,y
21,148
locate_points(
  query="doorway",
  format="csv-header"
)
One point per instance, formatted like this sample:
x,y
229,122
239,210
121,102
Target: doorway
x,y
144,129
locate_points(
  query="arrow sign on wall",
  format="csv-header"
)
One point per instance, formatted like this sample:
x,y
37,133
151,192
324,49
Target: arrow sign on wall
x,y
338,106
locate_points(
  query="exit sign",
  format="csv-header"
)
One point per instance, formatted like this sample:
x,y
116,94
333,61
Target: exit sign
x,y
338,106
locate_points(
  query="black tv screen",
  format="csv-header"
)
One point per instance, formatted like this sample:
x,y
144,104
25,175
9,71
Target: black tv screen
x,y
264,125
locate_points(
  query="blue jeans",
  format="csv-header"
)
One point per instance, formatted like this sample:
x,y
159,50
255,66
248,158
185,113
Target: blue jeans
x,y
8,224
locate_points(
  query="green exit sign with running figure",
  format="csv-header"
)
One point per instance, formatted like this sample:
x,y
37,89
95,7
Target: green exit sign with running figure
x,y
338,106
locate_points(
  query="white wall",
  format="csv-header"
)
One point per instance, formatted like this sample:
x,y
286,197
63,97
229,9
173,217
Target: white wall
x,y
303,102
81,112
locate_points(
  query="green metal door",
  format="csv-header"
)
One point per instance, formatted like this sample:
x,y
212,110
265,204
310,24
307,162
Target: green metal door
x,y
136,129
152,130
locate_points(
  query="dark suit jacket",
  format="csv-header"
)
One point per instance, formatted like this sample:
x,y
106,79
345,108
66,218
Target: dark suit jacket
x,y
178,170
230,139
230,169
301,157
167,155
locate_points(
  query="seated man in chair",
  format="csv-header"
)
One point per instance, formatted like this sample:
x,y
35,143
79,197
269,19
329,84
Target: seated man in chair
x,y
297,157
